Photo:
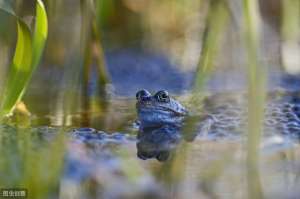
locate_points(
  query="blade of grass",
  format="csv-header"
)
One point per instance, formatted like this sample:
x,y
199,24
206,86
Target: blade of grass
x,y
218,15
95,38
21,66
40,34
27,56
104,10
92,50
256,96
216,22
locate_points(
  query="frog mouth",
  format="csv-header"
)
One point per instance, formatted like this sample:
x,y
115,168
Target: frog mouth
x,y
160,109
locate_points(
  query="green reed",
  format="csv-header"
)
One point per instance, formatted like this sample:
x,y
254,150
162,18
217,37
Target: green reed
x,y
217,20
218,17
91,41
86,59
93,53
256,95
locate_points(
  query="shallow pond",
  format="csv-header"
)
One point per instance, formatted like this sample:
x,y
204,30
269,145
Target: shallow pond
x,y
206,166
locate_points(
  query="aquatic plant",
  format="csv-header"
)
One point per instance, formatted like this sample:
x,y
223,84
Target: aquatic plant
x,y
256,95
26,58
217,19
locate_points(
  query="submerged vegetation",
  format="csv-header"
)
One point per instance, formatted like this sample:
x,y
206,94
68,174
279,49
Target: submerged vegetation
x,y
79,63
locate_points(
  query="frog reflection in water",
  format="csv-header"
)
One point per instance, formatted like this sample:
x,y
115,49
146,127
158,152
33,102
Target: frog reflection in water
x,y
160,118
90,155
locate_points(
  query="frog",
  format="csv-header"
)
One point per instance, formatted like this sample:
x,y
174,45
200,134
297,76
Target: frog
x,y
160,120
158,110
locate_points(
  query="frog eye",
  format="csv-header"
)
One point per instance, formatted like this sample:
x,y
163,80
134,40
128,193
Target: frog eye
x,y
162,96
142,94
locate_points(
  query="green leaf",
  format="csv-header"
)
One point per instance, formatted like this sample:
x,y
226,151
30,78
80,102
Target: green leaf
x,y
26,58
20,68
40,33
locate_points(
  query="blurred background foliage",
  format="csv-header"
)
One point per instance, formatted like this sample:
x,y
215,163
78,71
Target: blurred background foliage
x,y
100,48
